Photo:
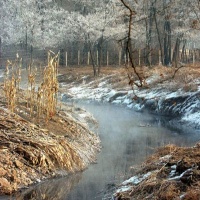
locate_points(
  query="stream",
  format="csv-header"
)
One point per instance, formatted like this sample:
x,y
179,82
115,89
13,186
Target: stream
x,y
128,137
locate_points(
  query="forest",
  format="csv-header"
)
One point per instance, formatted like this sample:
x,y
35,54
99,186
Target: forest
x,y
164,31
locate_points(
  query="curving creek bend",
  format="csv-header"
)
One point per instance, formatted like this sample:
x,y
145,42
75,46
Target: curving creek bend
x,y
128,137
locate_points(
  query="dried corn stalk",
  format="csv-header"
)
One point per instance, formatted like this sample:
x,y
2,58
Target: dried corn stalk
x,y
12,81
41,99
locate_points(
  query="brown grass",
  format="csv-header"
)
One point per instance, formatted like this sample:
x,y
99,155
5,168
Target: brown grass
x,y
159,186
28,152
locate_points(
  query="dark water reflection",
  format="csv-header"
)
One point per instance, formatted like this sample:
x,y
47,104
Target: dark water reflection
x,y
127,139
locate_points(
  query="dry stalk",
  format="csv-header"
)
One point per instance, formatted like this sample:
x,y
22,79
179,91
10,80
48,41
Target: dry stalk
x,y
31,90
12,82
41,102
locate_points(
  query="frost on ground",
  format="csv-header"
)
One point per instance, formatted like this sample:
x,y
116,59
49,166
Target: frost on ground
x,y
169,97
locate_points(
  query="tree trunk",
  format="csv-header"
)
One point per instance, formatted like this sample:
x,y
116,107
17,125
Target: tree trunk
x,y
183,56
175,58
99,49
167,42
149,25
91,55
93,64
158,33
26,43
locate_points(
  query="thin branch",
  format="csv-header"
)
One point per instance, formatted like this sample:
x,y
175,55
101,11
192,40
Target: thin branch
x,y
128,45
178,70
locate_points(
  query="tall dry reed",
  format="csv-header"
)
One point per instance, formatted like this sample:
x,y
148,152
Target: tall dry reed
x,y
41,97
12,80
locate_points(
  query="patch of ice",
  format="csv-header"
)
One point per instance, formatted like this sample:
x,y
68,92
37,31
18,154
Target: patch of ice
x,y
121,98
173,167
83,115
38,180
136,179
173,171
130,105
112,92
172,95
130,92
152,78
75,89
182,196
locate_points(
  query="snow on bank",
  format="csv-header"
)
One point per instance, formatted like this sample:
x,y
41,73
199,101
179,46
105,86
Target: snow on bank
x,y
135,180
159,99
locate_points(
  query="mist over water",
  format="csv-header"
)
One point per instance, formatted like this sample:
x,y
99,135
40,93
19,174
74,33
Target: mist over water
x,y
127,137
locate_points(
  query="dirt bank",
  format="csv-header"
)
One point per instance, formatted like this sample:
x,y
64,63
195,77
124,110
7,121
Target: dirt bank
x,y
171,173
165,93
31,152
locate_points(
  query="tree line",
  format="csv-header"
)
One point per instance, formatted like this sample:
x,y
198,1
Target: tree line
x,y
170,27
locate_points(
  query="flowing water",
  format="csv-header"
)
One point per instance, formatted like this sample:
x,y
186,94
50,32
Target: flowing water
x,y
127,137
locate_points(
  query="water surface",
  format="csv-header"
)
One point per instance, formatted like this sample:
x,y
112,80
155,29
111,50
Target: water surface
x,y
127,137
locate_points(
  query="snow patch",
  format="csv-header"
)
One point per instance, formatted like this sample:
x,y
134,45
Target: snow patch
x,y
188,172
123,189
136,179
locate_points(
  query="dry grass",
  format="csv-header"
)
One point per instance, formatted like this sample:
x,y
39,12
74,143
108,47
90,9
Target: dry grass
x,y
29,152
184,78
12,81
159,186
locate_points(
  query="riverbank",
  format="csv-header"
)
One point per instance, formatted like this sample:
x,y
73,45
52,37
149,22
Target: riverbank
x,y
31,152
177,96
67,128
172,172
